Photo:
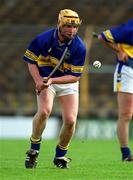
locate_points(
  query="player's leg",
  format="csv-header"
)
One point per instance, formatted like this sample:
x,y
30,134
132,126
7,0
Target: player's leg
x,y
44,103
123,85
125,108
69,104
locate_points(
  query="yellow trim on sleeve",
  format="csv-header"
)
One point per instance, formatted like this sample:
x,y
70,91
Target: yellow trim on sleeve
x,y
31,55
108,36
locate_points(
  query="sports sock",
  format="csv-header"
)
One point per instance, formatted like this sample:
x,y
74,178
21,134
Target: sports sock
x,y
35,143
61,151
125,152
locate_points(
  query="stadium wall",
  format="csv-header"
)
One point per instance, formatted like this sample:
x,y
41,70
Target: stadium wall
x,y
20,127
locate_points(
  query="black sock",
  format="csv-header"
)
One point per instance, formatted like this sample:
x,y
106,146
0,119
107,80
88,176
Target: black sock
x,y
61,151
35,143
125,152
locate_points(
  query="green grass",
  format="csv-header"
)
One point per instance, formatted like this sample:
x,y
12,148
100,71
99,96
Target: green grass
x,y
91,160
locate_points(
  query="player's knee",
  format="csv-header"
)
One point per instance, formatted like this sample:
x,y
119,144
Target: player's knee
x,y
44,113
127,116
70,121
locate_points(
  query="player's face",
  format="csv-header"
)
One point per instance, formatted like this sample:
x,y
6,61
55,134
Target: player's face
x,y
68,31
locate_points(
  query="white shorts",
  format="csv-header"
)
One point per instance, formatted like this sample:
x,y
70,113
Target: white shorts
x,y
123,79
64,89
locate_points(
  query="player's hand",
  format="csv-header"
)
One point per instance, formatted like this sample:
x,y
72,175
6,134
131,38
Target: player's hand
x,y
40,85
47,82
122,56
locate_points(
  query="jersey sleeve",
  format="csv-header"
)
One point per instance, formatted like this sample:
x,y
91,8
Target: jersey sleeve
x,y
32,53
114,35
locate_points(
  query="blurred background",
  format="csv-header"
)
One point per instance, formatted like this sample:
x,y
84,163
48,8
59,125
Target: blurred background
x,y
22,20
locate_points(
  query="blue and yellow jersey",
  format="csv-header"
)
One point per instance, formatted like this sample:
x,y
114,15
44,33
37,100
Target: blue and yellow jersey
x,y
46,50
122,36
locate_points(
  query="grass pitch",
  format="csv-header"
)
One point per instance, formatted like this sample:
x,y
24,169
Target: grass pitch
x,y
91,160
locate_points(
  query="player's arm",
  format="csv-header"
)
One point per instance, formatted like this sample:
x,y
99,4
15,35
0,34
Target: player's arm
x,y
120,53
39,84
122,56
31,55
111,45
64,79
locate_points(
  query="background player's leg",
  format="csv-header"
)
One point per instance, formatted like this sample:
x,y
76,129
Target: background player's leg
x,y
125,107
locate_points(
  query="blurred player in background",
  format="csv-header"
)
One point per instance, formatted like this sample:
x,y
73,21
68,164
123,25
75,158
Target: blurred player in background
x,y
42,55
120,40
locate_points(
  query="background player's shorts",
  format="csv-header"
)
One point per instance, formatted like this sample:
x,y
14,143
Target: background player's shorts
x,y
64,89
123,79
